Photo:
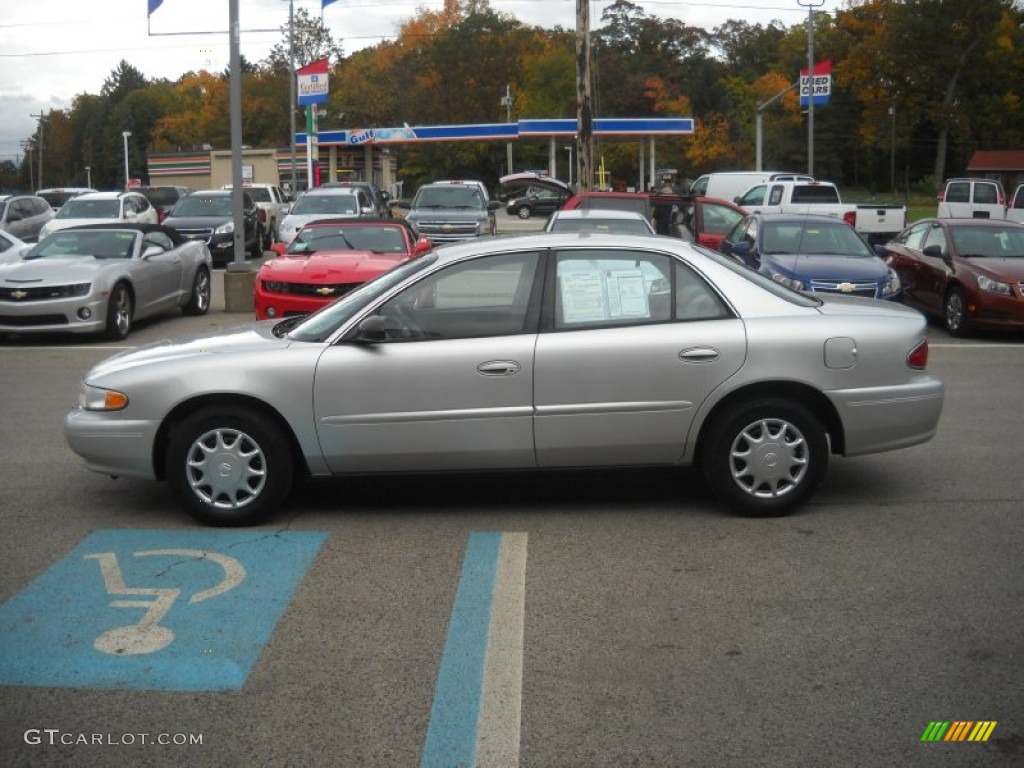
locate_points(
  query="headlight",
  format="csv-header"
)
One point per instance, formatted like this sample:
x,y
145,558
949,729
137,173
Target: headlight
x,y
97,399
274,286
225,229
789,282
892,284
994,286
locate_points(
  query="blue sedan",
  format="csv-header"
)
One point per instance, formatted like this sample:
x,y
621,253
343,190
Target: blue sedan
x,y
817,254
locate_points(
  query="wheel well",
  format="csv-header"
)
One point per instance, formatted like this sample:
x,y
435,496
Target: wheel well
x,y
807,396
183,410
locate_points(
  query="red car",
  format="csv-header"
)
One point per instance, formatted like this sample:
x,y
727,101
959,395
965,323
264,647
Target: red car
x,y
968,272
703,220
327,259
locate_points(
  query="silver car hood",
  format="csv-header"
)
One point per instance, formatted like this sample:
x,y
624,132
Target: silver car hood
x,y
237,340
40,272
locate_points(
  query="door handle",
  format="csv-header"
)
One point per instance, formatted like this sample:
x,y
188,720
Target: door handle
x,y
498,368
699,355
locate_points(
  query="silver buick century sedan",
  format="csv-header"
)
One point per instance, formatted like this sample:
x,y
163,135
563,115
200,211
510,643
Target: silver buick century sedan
x,y
101,278
537,352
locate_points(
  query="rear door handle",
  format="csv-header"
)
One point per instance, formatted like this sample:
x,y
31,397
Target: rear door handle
x,y
699,355
498,368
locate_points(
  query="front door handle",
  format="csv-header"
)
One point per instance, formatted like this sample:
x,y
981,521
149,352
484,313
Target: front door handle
x,y
699,355
498,368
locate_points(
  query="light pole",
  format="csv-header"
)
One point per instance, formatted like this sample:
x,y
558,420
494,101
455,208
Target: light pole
x,y
569,150
810,5
88,176
506,101
125,135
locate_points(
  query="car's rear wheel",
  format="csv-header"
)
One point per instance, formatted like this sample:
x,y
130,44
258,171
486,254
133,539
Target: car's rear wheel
x,y
954,311
525,212
199,300
766,458
229,466
120,309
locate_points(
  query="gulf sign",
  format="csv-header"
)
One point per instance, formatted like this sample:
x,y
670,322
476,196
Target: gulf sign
x,y
311,82
820,85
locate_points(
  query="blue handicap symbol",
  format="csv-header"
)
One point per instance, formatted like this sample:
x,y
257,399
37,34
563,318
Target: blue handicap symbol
x,y
154,610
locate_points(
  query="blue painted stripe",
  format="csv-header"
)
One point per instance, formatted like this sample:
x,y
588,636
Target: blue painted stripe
x,y
451,733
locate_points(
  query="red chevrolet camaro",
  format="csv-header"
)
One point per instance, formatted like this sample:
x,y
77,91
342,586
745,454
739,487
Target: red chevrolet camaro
x,y
329,258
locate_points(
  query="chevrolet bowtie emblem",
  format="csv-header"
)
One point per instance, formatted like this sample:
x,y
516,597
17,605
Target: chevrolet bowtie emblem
x,y
19,294
325,291
846,287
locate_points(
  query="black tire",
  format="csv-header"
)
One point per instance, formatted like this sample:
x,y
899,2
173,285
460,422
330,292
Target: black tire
x,y
524,212
199,300
250,455
120,311
765,458
954,311
256,252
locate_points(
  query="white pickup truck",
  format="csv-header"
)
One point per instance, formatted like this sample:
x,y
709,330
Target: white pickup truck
x,y
272,200
877,223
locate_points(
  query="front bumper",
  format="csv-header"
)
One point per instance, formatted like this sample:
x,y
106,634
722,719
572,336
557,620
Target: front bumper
x,y
111,446
54,315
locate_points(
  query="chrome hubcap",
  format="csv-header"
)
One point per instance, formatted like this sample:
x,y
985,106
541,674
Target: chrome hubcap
x,y
768,458
226,468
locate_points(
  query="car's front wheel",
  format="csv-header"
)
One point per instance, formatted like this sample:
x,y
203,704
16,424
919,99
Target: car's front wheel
x,y
120,310
955,312
229,466
525,212
765,458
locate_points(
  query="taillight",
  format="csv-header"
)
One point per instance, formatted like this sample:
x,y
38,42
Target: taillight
x,y
918,357
1002,197
850,217
263,215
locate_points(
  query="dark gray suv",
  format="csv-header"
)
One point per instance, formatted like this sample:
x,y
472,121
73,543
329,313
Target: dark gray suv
x,y
24,215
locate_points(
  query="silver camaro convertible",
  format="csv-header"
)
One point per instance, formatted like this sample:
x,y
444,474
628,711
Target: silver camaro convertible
x,y
101,278
537,352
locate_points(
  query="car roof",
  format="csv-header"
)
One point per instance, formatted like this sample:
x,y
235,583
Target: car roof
x,y
797,218
330,191
143,228
969,221
102,195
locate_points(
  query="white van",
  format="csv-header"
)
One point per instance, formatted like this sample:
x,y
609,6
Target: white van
x,y
728,185
972,199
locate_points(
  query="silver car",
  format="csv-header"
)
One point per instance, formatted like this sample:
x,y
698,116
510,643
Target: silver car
x,y
101,278
598,221
536,352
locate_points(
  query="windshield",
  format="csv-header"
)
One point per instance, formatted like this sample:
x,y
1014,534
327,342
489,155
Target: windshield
x,y
376,238
100,244
76,208
203,205
57,199
448,197
161,196
325,205
1000,242
320,325
812,237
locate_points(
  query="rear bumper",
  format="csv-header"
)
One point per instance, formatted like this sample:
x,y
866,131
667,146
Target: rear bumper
x,y
887,418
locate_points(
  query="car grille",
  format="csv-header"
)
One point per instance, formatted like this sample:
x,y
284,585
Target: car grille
x,y
314,290
21,295
440,232
845,288
31,320
204,234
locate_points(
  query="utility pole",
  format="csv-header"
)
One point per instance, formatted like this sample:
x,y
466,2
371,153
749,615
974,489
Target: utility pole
x,y
506,101
40,147
810,5
584,110
27,146
291,86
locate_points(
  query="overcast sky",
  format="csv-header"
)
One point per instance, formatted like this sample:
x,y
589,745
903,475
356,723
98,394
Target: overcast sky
x,y
53,50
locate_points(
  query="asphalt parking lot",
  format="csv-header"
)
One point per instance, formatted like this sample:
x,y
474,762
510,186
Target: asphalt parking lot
x,y
630,619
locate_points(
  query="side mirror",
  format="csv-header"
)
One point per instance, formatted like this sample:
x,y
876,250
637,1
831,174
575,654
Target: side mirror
x,y
880,251
422,246
152,250
933,251
405,205
279,249
493,205
372,329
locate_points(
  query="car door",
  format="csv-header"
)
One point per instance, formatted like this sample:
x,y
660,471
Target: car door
x,y
713,221
450,387
157,279
933,269
634,343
